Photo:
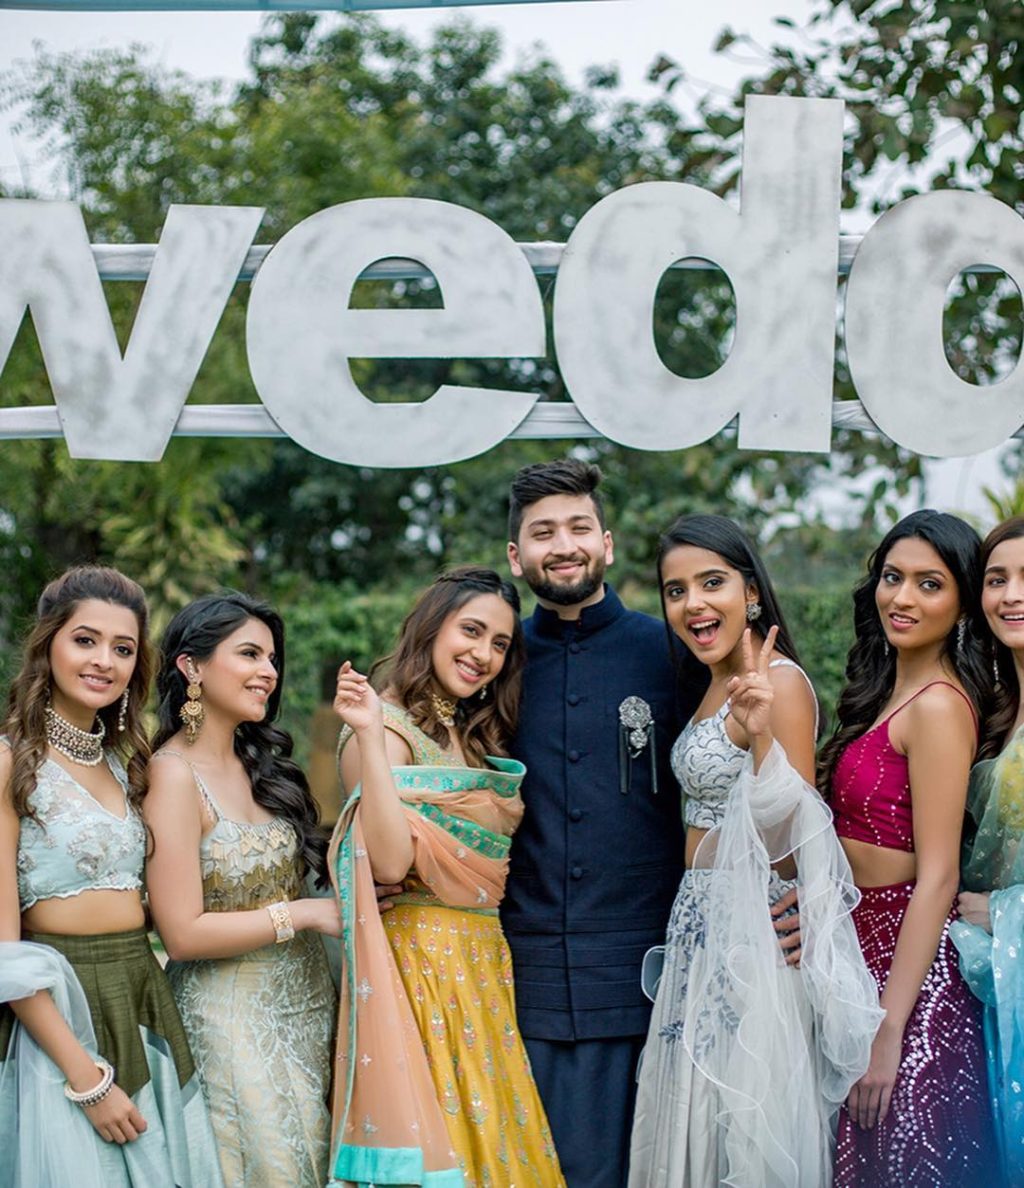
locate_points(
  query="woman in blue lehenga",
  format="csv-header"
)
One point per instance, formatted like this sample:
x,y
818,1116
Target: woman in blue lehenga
x,y
990,933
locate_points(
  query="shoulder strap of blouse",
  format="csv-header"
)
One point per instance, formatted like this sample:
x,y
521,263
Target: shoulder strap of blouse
x,y
204,793
945,684
421,744
785,662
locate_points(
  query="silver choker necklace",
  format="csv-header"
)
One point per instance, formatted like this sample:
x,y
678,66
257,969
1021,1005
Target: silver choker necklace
x,y
80,746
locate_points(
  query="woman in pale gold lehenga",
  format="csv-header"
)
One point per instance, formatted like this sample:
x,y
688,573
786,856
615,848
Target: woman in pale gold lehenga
x,y
234,835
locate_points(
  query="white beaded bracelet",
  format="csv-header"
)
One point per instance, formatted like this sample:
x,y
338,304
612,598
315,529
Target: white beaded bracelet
x,y
98,1092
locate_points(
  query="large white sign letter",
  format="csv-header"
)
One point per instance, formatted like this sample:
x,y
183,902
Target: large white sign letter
x,y
781,255
301,333
895,299
109,407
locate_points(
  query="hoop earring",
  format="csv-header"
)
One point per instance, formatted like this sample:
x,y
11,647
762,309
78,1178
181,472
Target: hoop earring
x,y
961,634
753,612
122,713
192,713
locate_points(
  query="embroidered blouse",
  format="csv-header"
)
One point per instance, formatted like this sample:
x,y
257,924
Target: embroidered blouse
x,y
707,763
73,844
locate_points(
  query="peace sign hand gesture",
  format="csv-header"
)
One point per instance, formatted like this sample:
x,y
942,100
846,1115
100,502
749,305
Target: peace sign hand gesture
x,y
751,695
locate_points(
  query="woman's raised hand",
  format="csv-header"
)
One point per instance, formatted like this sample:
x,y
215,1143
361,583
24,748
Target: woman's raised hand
x,y
356,701
751,695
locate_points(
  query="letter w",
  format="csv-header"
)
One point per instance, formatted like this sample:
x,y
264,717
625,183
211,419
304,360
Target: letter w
x,y
123,409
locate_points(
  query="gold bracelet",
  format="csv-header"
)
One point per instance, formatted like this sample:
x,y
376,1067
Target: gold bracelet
x,y
281,918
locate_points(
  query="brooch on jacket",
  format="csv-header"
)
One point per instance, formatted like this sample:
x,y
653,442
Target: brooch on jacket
x,y
636,735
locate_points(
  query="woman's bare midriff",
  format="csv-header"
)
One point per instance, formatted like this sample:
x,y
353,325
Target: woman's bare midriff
x,y
694,836
90,914
878,866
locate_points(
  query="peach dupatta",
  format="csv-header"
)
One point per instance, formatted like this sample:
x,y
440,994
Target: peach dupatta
x,y
388,1124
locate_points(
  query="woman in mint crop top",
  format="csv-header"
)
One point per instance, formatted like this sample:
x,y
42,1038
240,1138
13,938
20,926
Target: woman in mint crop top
x,y
97,1086
896,771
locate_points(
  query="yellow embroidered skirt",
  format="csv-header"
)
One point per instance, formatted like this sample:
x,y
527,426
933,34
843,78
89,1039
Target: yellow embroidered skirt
x,y
457,972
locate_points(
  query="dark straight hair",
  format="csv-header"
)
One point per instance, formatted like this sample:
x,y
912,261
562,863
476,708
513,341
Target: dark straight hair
x,y
719,534
278,783
871,663
1006,695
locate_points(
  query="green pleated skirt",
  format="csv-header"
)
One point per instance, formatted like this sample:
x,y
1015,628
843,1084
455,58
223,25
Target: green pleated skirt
x,y
139,1031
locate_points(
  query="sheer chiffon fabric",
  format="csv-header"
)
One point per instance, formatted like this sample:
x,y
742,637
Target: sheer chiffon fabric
x,y
993,962
44,1138
772,1051
392,1122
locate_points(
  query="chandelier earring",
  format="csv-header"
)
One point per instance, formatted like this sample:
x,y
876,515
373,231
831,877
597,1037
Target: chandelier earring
x,y
122,713
753,612
192,713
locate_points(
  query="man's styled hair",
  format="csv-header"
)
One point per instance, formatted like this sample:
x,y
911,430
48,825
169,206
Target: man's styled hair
x,y
563,476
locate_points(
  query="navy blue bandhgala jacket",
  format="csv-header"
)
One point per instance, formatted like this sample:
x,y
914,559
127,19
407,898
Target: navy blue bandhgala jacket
x,y
597,860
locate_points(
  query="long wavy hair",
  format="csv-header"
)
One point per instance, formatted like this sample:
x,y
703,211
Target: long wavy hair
x,y
485,725
1006,695
25,724
278,783
871,663
720,535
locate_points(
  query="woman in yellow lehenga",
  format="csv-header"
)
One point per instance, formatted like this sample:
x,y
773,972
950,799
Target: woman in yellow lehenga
x,y
432,1085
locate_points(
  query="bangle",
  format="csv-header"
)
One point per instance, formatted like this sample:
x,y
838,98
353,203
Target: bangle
x,y
98,1092
281,918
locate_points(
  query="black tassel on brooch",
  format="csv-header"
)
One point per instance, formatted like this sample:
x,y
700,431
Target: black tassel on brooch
x,y
636,735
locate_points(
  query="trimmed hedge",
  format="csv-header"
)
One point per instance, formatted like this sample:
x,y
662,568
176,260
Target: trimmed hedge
x,y
331,624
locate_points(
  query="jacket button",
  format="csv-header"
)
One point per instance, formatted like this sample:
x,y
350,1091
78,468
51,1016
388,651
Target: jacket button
x,y
574,756
576,815
574,647
577,872
573,699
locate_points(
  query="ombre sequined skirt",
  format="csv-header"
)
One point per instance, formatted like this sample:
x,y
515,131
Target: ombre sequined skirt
x,y
456,968
938,1130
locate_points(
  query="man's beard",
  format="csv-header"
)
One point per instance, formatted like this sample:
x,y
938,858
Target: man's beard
x,y
562,595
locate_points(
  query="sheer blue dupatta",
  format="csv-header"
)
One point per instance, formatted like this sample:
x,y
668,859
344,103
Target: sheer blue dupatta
x,y
993,963
44,1139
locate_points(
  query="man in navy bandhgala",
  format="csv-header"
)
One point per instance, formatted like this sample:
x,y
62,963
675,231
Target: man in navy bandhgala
x,y
598,858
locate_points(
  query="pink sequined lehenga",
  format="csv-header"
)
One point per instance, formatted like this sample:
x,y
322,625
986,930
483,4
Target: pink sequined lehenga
x,y
939,1128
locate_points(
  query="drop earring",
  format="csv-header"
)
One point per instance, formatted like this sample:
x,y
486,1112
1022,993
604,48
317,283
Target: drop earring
x,y
122,713
192,713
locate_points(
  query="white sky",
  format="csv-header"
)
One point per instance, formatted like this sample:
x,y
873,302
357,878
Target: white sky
x,y
630,33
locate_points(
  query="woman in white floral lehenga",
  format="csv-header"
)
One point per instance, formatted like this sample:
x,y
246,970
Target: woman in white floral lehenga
x,y
753,1043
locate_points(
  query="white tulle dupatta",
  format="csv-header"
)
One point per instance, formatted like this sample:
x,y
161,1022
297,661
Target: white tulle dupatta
x,y
44,1139
784,1046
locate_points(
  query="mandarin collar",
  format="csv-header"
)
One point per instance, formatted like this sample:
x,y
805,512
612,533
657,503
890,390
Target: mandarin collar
x,y
592,618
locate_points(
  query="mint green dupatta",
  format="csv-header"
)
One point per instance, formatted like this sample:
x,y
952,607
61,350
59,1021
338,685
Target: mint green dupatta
x,y
993,963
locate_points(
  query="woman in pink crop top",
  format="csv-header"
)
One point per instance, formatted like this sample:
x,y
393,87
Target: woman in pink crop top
x,y
896,770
